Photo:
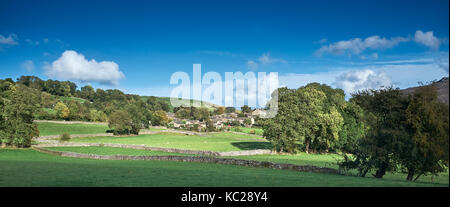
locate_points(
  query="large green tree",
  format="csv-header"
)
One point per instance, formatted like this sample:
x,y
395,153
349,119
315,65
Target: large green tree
x,y
307,118
16,116
424,150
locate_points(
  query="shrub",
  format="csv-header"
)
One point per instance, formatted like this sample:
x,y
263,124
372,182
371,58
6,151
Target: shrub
x,y
64,137
252,131
120,121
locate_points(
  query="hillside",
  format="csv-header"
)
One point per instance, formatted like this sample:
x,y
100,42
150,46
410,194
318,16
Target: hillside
x,y
441,86
185,102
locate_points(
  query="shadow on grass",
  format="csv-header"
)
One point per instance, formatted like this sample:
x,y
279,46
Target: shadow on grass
x,y
252,145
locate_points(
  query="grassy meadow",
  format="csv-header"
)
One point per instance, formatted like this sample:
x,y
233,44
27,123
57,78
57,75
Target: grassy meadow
x,y
219,142
46,128
48,170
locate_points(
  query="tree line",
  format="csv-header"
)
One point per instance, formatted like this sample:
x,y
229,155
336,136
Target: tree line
x,y
31,98
375,130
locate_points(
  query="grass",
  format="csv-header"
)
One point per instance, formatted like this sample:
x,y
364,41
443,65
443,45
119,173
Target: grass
x,y
115,151
258,131
219,142
330,161
156,129
26,167
46,129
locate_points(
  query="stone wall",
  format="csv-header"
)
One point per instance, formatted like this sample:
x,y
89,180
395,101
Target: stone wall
x,y
162,149
216,160
71,122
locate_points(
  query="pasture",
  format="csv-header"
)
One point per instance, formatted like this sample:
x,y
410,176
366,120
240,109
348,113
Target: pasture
x,y
50,170
47,128
26,167
217,142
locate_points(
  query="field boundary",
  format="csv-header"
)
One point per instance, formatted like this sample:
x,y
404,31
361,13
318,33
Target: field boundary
x,y
70,122
162,149
215,160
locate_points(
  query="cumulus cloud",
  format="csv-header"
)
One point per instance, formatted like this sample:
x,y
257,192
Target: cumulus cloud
x,y
74,66
358,45
354,81
427,38
28,65
10,40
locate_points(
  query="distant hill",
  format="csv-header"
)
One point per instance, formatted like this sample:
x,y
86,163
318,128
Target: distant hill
x,y
441,86
185,102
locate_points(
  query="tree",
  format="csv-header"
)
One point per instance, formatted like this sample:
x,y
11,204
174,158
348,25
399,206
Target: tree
x,y
97,116
309,118
201,114
354,128
87,92
230,110
121,122
210,126
160,118
219,110
62,111
385,109
425,149
16,117
246,109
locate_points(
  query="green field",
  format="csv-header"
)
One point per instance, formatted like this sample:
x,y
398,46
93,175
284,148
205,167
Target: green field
x,y
26,167
258,131
330,161
115,151
219,142
46,129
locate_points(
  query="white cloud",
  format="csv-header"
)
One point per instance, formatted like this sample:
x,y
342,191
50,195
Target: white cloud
x,y
428,39
45,40
28,65
266,58
354,81
252,64
442,62
74,66
10,40
401,74
358,45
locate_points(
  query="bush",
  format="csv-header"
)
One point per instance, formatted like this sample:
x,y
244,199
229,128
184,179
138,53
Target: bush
x,y
121,122
64,137
252,131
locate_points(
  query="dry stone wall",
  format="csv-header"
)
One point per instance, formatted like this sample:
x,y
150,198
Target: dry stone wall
x,y
216,160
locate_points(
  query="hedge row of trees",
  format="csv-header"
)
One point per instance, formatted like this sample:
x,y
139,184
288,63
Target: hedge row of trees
x,y
61,100
376,130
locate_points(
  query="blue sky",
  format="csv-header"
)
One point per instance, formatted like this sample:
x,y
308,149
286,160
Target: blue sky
x,y
138,45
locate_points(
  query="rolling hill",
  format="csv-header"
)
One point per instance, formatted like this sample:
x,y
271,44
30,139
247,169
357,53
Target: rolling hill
x,y
441,86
